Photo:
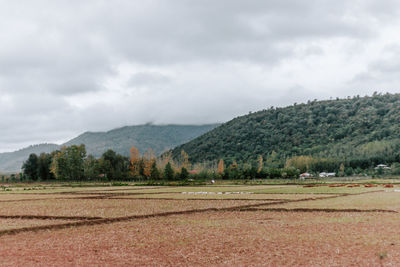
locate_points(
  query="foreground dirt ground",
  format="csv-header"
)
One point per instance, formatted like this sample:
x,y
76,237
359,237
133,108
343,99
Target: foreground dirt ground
x,y
335,229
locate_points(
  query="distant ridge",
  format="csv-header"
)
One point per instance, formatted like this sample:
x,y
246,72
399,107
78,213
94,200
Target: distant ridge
x,y
159,138
12,161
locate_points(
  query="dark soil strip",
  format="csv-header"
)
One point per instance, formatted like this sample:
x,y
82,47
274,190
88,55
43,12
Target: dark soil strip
x,y
41,217
315,210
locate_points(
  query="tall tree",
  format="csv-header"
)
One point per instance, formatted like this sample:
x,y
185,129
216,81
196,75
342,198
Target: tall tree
x,y
155,173
30,167
168,172
184,160
44,163
68,162
260,163
114,166
221,167
134,161
148,160
91,167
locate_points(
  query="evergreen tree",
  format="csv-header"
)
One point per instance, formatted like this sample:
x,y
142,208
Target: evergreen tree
x,y
30,167
184,174
168,172
154,172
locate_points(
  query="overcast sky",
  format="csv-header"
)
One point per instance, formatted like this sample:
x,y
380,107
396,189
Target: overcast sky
x,y
71,66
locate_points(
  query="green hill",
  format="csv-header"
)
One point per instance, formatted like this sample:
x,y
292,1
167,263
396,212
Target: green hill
x,y
361,131
12,161
159,138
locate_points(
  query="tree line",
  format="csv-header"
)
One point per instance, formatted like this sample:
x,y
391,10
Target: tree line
x,y
72,163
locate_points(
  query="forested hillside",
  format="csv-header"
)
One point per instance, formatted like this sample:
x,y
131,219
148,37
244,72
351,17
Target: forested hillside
x,y
159,138
360,131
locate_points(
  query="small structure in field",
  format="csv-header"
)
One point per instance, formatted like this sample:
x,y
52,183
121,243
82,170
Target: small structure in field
x,y
305,175
382,166
327,174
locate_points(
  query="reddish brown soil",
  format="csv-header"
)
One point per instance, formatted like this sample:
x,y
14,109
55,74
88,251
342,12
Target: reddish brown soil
x,y
216,239
200,233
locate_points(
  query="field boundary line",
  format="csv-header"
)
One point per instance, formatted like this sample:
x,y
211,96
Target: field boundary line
x,y
43,217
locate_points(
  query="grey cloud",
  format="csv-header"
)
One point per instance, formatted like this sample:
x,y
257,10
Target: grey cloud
x,y
147,79
382,71
62,62
227,30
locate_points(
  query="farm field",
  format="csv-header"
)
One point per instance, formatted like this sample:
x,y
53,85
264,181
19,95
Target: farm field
x,y
260,225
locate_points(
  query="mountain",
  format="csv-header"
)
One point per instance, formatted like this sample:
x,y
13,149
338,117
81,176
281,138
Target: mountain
x,y
359,129
12,161
159,138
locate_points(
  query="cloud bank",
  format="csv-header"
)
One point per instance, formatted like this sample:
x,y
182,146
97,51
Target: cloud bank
x,y
71,66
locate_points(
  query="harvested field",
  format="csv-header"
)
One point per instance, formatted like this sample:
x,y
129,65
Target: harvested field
x,y
214,238
109,207
198,226
378,200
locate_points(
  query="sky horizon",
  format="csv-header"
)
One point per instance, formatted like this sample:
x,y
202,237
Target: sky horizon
x,y
67,67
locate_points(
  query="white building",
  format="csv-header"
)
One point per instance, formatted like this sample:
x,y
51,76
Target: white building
x,y
382,166
327,174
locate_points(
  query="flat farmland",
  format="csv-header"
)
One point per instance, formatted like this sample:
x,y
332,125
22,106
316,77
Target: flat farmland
x,y
273,225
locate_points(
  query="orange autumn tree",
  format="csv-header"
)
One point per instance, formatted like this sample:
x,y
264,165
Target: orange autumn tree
x,y
134,160
148,160
221,167
260,163
184,161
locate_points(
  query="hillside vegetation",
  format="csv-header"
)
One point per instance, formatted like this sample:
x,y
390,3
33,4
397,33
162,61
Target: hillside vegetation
x,y
159,138
358,131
